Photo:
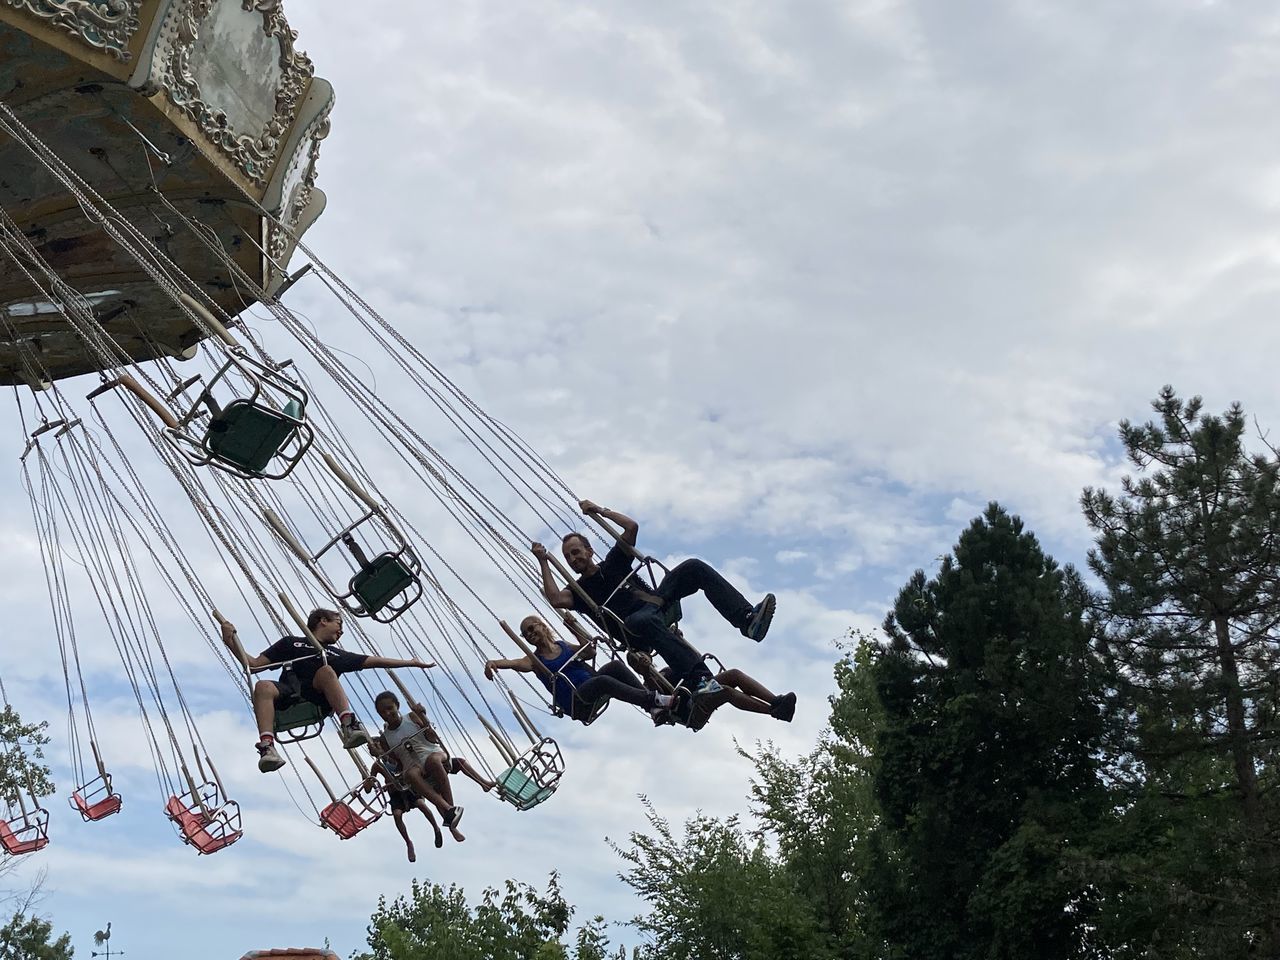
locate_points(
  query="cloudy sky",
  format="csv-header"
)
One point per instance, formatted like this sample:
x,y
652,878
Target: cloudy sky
x,y
799,286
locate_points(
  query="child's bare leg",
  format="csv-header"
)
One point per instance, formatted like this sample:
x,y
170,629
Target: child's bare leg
x,y
264,706
426,812
742,701
748,685
404,832
423,788
438,773
438,776
326,681
485,783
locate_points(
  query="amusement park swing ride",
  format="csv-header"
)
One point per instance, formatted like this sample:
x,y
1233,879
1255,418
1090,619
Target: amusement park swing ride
x,y
158,168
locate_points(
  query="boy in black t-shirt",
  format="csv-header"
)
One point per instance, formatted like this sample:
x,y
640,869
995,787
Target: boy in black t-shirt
x,y
613,587
306,678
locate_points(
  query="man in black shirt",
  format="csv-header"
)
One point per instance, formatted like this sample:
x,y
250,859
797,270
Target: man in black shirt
x,y
306,679
622,598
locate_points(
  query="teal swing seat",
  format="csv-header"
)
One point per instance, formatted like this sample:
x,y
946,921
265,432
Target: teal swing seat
x,y
521,790
533,778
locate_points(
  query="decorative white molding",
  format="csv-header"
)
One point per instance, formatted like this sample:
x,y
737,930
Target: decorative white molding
x,y
298,186
253,152
104,25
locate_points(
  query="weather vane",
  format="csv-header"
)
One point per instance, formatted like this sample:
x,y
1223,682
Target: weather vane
x,y
103,938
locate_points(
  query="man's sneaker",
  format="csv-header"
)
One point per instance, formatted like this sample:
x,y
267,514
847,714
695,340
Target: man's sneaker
x,y
783,707
269,758
453,817
353,733
757,624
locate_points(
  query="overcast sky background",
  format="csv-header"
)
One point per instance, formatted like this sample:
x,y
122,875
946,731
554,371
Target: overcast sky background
x,y
801,287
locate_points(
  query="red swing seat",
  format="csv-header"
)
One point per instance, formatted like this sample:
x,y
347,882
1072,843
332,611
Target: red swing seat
x,y
207,832
95,800
99,810
342,820
353,813
30,835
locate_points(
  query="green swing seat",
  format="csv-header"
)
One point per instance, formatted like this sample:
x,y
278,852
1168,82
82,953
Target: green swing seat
x,y
248,436
299,717
381,581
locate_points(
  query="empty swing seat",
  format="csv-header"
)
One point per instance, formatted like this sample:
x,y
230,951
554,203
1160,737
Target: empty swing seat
x,y
208,833
98,810
534,777
521,790
26,838
95,800
355,811
342,820
381,581
248,436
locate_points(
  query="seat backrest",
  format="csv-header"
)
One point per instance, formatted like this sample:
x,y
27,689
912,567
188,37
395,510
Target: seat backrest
x,y
384,579
342,820
16,845
101,809
248,435
195,827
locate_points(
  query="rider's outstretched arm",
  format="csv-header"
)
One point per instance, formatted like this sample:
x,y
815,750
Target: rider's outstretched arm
x,y
375,662
523,665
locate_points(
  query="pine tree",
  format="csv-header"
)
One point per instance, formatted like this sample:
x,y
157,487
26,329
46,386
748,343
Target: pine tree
x,y
1189,554
986,770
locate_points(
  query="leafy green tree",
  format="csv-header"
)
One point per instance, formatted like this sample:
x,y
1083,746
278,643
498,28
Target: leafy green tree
x,y
518,923
27,937
716,894
1189,554
823,811
986,757
21,752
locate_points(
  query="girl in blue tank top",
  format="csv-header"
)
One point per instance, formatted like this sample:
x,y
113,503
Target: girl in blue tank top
x,y
576,688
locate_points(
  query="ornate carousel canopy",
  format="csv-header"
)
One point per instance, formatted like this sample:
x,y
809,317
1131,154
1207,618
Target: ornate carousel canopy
x,y
177,113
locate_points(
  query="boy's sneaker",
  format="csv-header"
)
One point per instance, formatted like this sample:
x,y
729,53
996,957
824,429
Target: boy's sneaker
x,y
453,817
783,707
269,758
353,733
757,624
707,685
675,712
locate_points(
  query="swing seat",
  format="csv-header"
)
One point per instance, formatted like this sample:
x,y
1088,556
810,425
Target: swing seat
x,y
95,800
533,778
28,837
302,721
248,436
342,820
597,708
521,790
99,810
354,812
207,832
381,581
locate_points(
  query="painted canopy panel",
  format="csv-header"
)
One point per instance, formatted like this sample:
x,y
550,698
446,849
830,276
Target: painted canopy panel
x,y
205,104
